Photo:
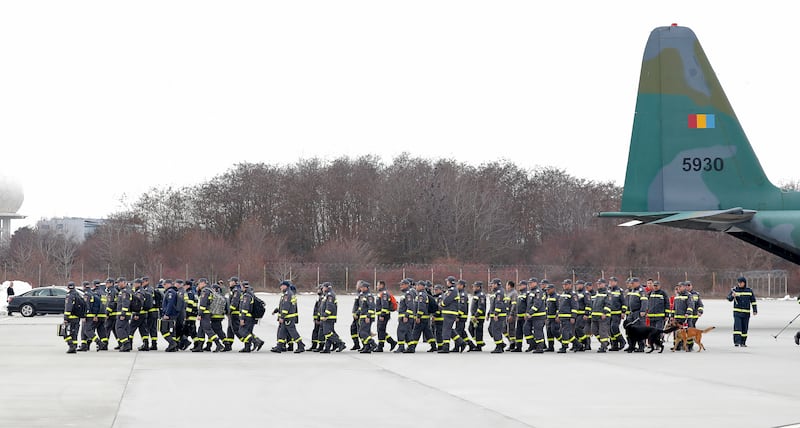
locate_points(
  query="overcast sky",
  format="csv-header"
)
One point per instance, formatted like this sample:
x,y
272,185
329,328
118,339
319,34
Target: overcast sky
x,y
100,101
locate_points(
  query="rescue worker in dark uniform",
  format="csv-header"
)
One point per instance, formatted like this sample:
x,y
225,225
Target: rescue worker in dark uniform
x,y
101,334
567,312
234,313
316,334
112,313
190,319
328,315
498,311
216,319
552,327
421,317
521,310
743,299
535,317
509,331
139,318
206,329
636,304
437,317
463,311
354,326
383,309
405,315
682,307
151,322
71,320
697,308
169,309
657,305
122,324
616,301
181,333
583,323
366,314
287,318
90,321
449,305
477,312
246,320
601,315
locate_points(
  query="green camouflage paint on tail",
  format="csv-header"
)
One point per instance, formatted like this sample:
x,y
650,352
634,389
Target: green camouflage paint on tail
x,y
675,163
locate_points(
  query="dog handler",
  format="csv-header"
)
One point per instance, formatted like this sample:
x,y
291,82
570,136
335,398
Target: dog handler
x,y
743,298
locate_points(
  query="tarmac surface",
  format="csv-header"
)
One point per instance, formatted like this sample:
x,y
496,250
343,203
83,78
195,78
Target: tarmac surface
x,y
757,386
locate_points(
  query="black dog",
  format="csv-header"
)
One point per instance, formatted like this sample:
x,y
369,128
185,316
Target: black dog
x,y
639,334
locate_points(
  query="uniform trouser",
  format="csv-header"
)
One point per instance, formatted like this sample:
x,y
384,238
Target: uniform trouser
x,y
216,325
615,334
580,328
245,332
422,327
449,332
567,327
354,330
519,330
316,334
741,322
234,328
189,329
461,327
287,332
508,328
476,331
168,332
101,334
364,330
438,328
553,331
206,329
152,325
110,326
534,328
657,322
73,330
137,323
382,335
496,328
122,328
405,328
88,330
601,328
329,332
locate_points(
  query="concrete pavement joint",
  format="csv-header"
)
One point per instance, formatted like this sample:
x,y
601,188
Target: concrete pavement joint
x,y
124,389
391,372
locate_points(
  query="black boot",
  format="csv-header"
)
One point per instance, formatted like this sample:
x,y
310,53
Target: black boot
x,y
562,349
603,346
400,349
313,347
498,349
301,347
257,344
577,347
198,347
228,347
366,349
73,348
550,347
220,347
472,347
126,347
208,347
392,343
411,349
587,344
433,348
517,347
379,347
356,345
341,346
145,346
246,347
290,346
326,349
797,338
280,347
84,347
445,348
173,346
538,348
153,345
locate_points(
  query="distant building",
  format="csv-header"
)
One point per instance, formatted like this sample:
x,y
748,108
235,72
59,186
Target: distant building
x,y
73,227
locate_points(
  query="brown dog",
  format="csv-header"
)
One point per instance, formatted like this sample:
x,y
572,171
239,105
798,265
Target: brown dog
x,y
683,334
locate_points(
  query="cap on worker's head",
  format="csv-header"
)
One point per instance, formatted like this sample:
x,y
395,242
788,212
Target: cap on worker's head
x,y
137,281
523,282
566,281
408,281
478,284
451,279
204,280
656,283
167,281
121,279
438,287
462,282
246,284
741,279
602,281
96,282
496,281
549,285
688,282
70,285
534,279
233,279
366,284
613,278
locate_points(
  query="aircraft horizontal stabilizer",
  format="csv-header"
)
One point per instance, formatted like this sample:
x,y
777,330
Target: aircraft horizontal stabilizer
x,y
720,220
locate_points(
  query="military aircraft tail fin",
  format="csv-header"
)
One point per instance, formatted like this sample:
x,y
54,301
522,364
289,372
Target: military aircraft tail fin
x,y
688,151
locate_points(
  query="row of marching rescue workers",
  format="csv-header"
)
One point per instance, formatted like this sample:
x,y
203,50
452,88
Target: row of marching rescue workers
x,y
530,312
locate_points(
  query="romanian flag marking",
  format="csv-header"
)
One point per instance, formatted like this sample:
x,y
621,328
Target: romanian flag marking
x,y
701,121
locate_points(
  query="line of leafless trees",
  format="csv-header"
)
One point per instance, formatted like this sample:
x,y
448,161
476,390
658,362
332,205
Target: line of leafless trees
x,y
359,211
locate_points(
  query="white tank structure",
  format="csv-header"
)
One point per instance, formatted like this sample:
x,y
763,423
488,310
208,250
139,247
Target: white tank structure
x,y
11,198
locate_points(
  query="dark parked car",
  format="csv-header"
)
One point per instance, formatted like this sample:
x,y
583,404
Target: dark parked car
x,y
41,300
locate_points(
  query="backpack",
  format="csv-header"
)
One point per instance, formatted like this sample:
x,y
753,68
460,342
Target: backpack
x,y
392,302
259,308
136,303
218,305
433,305
79,308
